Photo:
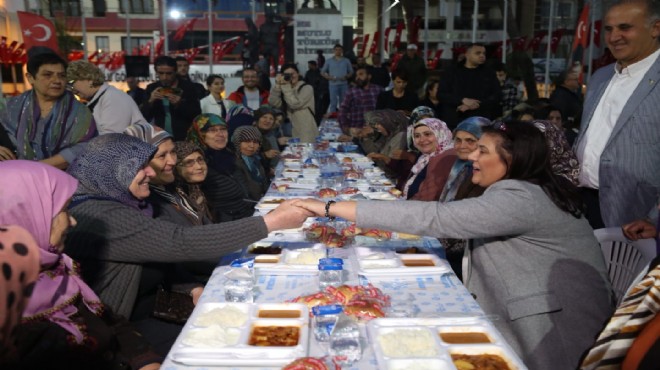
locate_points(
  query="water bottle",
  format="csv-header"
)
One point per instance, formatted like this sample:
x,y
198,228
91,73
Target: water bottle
x,y
345,345
239,283
330,274
324,320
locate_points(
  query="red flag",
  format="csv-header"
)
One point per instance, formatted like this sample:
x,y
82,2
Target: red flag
x,y
413,32
582,29
3,50
556,38
436,59
75,55
597,26
395,60
386,38
190,54
159,46
364,45
536,41
374,43
519,45
37,31
19,56
181,31
397,36
356,39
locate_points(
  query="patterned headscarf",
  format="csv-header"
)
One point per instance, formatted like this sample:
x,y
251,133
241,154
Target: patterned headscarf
x,y
148,133
106,168
21,254
238,116
32,194
191,191
393,121
200,125
563,160
443,138
245,133
421,112
68,123
462,168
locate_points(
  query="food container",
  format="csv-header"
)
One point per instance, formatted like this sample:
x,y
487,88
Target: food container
x,y
286,258
384,262
253,346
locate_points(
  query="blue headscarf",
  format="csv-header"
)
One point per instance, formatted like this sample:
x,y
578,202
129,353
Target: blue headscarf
x,y
106,168
462,169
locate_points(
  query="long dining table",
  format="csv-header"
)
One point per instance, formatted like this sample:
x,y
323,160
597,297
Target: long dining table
x,y
435,297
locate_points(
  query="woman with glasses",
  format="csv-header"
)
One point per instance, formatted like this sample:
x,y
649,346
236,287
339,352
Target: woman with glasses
x,y
532,263
429,174
113,109
227,197
189,174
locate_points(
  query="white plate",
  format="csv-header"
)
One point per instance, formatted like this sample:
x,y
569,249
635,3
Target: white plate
x,y
378,263
267,203
288,262
242,353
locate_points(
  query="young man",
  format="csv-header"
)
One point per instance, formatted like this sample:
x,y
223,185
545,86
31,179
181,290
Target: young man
x,y
250,94
358,100
337,70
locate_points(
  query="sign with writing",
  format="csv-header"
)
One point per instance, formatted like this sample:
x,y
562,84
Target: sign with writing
x,y
314,32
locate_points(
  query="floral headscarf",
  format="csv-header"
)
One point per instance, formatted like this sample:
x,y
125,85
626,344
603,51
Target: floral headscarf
x,y
563,160
421,112
443,138
200,125
120,157
32,194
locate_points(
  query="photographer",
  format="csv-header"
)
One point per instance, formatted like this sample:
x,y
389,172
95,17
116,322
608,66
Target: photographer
x,y
293,96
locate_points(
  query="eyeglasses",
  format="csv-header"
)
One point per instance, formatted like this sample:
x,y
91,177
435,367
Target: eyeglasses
x,y
191,162
216,129
69,86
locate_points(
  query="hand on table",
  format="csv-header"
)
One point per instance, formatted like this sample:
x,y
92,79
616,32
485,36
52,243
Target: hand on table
x,y
271,153
286,216
639,229
6,154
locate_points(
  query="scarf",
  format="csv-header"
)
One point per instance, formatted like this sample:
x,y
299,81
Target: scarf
x,y
192,191
32,194
444,142
180,202
462,169
148,133
120,157
68,123
21,254
563,160
222,160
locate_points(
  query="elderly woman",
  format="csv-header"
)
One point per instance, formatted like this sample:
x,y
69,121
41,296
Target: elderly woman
x,y
429,174
389,136
563,160
225,194
112,108
189,174
117,234
249,170
265,122
237,116
533,261
64,324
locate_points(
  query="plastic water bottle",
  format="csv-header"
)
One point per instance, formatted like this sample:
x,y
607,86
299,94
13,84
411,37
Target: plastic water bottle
x,y
345,345
330,275
324,320
239,285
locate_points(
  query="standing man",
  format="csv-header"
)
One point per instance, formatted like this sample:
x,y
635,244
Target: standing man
x,y
470,89
337,70
380,75
250,94
567,98
509,90
46,123
618,142
358,101
415,68
172,102
183,70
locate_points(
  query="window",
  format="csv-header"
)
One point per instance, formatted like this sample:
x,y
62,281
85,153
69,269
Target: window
x,y
103,43
137,6
68,7
136,43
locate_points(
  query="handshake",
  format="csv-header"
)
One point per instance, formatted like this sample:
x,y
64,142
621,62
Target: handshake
x,y
293,212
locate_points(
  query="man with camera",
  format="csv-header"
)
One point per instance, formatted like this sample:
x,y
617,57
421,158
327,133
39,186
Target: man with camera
x,y
296,98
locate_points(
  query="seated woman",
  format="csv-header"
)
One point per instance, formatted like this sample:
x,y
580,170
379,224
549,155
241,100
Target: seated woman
x,y
270,152
428,176
249,170
64,325
533,262
391,126
116,233
190,172
225,194
459,183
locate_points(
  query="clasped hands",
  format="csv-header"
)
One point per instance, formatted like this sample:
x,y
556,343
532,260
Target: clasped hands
x,y
468,104
292,213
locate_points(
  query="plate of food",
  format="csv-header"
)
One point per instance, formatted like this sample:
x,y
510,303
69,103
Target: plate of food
x,y
286,258
379,262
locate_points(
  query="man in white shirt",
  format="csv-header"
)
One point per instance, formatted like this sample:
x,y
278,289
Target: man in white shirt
x,y
619,142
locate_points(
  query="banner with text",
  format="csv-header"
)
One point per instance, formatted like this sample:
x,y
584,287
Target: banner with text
x,y
314,32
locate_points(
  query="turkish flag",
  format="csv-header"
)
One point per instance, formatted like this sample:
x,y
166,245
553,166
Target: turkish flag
x,y
387,37
181,31
364,45
536,41
556,38
37,31
597,26
397,36
374,43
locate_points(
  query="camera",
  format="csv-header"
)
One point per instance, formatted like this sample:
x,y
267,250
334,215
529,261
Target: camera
x,y
287,76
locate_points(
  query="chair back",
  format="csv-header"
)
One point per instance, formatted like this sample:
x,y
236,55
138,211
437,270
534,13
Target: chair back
x,y
624,258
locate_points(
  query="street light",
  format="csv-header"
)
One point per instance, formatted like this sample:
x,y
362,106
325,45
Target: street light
x,y
175,14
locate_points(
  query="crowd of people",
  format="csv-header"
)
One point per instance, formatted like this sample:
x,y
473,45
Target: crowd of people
x,y
108,198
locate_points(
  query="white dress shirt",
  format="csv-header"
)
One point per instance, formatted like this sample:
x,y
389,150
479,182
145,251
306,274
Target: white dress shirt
x,y
616,95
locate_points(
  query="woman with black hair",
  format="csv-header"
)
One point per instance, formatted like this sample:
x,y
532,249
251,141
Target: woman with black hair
x,y
532,261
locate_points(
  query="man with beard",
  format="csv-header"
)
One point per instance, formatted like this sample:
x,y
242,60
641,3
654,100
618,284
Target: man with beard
x,y
250,94
358,100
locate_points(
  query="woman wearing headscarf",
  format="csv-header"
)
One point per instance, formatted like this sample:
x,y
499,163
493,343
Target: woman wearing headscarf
x,y
225,194
265,122
249,170
429,174
237,116
64,325
189,174
391,126
21,254
117,235
459,183
563,160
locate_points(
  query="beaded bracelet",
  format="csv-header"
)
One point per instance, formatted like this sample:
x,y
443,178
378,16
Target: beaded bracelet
x,y
327,210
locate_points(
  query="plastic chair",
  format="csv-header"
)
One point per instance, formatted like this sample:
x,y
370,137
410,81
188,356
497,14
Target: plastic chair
x,y
624,258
